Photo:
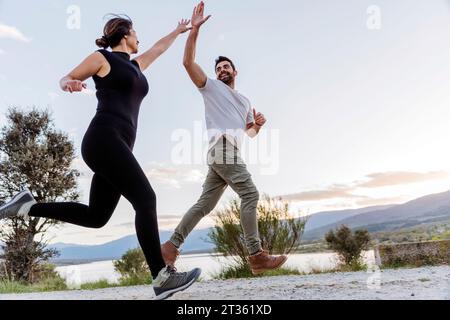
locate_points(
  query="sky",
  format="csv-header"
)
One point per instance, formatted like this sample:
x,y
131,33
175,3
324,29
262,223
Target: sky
x,y
356,94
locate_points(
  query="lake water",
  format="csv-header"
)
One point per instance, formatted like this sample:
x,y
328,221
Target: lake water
x,y
90,272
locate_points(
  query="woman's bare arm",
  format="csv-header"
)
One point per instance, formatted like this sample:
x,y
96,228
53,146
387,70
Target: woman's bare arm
x,y
93,64
150,56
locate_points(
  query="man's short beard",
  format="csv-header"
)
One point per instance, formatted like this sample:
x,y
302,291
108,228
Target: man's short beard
x,y
228,79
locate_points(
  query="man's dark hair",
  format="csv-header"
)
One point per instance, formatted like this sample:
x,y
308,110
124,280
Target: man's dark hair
x,y
221,59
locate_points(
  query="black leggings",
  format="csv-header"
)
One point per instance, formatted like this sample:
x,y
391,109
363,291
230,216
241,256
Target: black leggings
x,y
107,150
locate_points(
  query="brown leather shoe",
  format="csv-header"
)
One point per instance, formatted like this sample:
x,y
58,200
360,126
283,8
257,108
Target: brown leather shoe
x,y
262,262
170,253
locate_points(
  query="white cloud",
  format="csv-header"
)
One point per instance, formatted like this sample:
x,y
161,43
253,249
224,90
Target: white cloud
x,y
173,177
331,192
2,51
9,32
163,176
193,176
373,181
391,178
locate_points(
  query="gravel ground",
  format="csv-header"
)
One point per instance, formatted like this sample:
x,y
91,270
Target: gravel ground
x,y
417,284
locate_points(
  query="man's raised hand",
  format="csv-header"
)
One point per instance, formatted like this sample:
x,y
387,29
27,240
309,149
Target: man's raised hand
x,y
198,16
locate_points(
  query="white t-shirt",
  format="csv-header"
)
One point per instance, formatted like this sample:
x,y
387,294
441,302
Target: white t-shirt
x,y
227,112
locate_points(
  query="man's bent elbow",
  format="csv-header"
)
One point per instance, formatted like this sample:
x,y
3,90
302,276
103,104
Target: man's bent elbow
x,y
187,64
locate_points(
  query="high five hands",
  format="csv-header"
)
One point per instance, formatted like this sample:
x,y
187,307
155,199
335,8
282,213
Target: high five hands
x,y
198,16
198,19
183,26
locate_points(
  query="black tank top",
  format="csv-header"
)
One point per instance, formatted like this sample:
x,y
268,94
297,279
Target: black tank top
x,y
120,93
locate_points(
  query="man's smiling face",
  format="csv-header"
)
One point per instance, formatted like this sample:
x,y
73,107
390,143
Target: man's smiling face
x,y
225,72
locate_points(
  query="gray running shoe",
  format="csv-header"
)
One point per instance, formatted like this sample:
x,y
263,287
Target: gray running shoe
x,y
19,206
169,281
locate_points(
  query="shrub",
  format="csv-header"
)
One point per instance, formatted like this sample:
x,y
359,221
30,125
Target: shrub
x,y
279,230
133,268
349,246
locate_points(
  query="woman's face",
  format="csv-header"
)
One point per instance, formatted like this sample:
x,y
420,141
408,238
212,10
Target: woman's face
x,y
133,42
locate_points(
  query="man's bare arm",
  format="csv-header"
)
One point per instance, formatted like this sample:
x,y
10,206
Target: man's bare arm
x,y
195,72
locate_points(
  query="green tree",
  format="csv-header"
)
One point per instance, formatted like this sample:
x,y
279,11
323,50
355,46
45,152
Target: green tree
x,y
35,155
133,267
348,245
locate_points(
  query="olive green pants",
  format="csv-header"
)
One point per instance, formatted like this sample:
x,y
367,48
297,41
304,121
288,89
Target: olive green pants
x,y
226,168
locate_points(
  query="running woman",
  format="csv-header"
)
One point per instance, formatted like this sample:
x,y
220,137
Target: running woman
x,y
107,148
228,115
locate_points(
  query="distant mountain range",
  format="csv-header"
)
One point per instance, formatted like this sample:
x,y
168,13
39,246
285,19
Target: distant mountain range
x,y
325,218
431,208
197,241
